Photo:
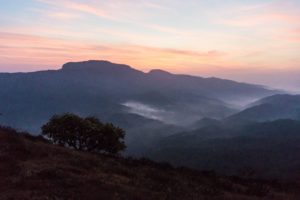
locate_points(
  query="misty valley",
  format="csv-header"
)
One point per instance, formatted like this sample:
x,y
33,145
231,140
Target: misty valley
x,y
184,120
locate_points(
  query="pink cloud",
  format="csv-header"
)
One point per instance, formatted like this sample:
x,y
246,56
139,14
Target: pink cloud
x,y
293,35
268,14
29,49
57,14
261,19
119,11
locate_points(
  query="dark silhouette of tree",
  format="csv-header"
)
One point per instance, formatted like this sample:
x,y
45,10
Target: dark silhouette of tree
x,y
84,134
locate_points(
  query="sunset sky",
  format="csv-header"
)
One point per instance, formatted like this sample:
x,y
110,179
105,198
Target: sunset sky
x,y
255,41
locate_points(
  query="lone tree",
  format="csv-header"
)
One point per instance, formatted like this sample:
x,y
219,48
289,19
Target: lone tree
x,y
84,134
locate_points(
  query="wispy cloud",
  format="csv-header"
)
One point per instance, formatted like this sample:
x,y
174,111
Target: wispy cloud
x,y
120,11
81,7
262,19
274,23
57,14
130,12
291,35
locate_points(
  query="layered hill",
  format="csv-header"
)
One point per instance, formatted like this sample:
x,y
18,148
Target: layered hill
x,y
264,139
281,106
103,89
30,168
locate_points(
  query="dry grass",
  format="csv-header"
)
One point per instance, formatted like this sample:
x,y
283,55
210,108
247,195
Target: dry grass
x,y
30,168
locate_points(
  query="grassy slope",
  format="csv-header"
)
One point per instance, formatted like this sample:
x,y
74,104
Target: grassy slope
x,y
32,169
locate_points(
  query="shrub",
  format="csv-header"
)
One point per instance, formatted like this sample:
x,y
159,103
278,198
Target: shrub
x,y
84,134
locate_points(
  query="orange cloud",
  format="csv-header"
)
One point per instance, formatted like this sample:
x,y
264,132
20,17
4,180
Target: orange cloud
x,y
30,49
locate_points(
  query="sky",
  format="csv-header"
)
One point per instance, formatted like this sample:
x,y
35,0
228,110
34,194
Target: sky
x,y
256,41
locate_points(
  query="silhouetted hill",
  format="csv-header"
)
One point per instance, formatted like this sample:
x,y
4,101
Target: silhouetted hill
x,y
102,67
274,107
30,168
225,90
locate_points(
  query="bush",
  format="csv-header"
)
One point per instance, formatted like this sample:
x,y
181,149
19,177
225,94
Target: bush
x,y
84,134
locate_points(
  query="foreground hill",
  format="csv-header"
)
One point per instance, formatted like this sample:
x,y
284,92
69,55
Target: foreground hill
x,y
30,168
281,106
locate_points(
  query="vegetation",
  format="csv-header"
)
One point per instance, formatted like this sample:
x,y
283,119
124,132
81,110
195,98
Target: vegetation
x,y
84,134
32,168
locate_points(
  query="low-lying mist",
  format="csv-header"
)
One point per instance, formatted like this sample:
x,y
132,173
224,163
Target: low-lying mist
x,y
149,111
179,115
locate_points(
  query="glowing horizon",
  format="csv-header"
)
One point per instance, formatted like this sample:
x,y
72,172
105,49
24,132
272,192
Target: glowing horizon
x,y
242,40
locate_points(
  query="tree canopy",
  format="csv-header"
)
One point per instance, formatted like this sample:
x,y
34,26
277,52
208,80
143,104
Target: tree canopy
x,y
84,134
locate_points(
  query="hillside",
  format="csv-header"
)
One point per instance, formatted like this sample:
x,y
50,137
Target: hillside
x,y
30,168
267,149
281,106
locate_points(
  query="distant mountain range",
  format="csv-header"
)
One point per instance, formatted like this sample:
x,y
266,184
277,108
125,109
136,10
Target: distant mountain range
x,y
104,89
